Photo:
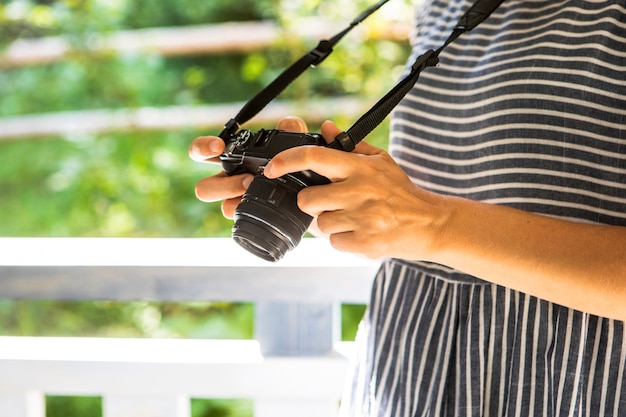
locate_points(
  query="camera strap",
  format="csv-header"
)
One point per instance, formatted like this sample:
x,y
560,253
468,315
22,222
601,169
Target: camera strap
x,y
311,59
347,141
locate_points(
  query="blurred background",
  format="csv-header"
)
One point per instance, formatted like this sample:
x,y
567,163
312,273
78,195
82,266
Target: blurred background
x,y
99,101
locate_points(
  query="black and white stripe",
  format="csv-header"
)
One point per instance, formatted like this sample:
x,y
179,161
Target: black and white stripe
x,y
433,347
527,110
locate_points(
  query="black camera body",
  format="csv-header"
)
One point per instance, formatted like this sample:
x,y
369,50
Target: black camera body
x,y
249,152
268,222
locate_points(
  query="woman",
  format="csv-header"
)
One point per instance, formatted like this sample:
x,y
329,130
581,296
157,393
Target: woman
x,y
501,210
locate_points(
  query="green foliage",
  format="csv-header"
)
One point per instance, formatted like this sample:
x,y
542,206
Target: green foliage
x,y
152,13
92,82
77,18
141,183
221,408
86,80
199,320
137,184
351,314
64,406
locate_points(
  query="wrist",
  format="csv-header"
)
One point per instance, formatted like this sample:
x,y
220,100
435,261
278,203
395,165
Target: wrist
x,y
441,229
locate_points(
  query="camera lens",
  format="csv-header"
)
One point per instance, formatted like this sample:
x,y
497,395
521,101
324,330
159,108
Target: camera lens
x,y
268,222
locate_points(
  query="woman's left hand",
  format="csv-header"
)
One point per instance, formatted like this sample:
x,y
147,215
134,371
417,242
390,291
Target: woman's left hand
x,y
371,207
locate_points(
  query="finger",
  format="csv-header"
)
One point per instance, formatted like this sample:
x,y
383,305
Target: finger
x,y
222,186
325,198
229,206
365,148
331,163
206,149
330,131
292,124
333,222
354,243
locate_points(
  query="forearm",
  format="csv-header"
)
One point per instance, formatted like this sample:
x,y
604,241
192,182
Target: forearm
x,y
372,208
581,266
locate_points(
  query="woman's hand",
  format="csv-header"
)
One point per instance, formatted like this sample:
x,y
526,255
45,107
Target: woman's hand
x,y
371,207
222,187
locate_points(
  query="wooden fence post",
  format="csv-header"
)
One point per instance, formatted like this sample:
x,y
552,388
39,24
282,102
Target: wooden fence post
x,y
296,329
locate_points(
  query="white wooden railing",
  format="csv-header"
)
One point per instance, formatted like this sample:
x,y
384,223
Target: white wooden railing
x,y
295,367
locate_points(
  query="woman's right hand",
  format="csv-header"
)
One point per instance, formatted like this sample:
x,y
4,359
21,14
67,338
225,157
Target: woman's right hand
x,y
222,187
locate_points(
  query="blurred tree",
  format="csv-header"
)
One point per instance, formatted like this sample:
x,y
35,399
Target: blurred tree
x,y
62,406
141,183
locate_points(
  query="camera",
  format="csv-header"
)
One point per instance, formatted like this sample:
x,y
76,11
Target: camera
x,y
268,222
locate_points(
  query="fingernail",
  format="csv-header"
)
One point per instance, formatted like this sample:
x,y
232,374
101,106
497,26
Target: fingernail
x,y
267,171
215,147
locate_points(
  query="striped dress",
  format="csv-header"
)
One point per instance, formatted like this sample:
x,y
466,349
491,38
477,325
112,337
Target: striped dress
x,y
527,110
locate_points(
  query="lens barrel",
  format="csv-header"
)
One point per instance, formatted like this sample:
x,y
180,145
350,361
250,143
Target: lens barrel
x,y
268,222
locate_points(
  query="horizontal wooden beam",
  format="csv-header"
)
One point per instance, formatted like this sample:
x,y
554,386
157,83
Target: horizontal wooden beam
x,y
177,270
236,37
169,118
153,367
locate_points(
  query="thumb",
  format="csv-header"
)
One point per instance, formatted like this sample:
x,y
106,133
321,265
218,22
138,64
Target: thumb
x,y
367,149
292,124
330,131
